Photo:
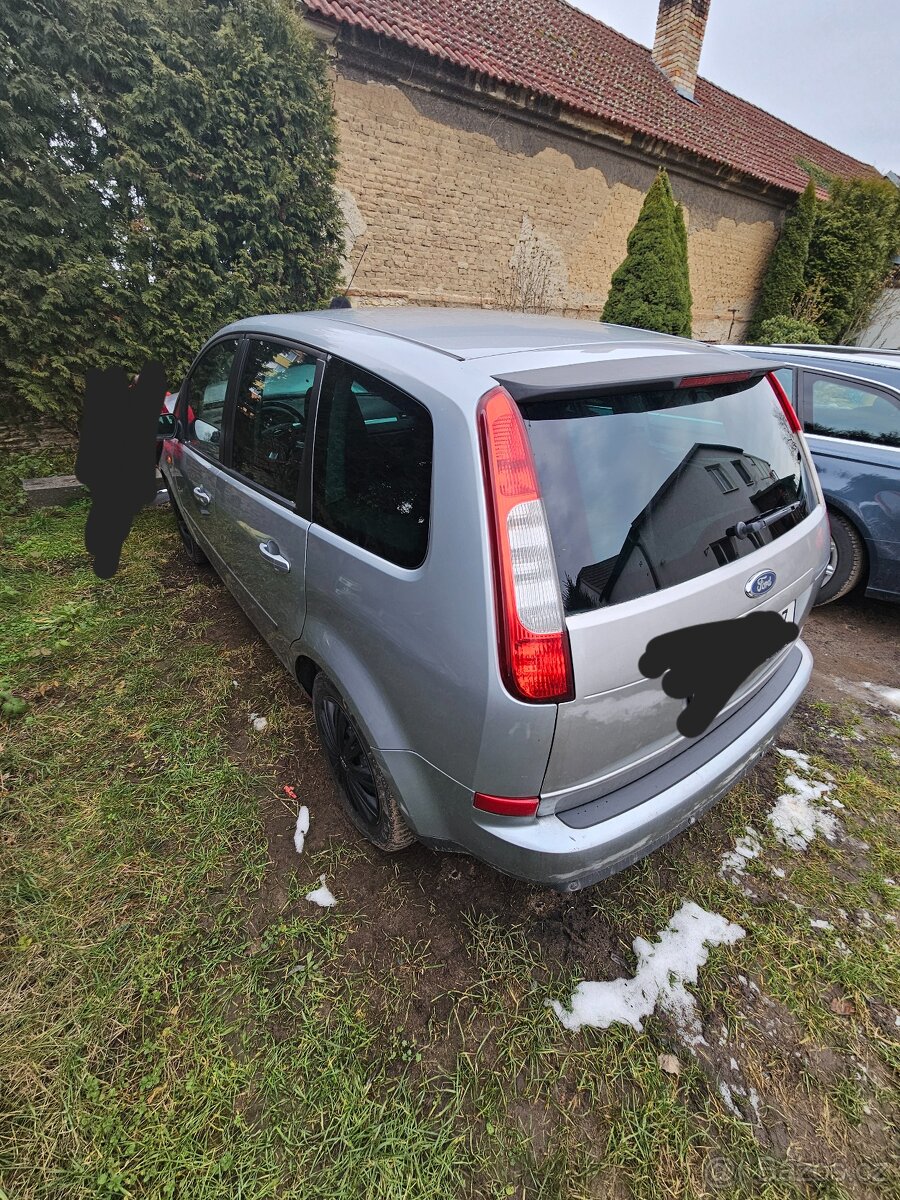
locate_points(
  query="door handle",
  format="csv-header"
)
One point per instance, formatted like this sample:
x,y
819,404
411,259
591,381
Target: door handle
x,y
270,552
203,497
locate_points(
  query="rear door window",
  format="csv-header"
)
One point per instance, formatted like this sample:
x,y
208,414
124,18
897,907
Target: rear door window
x,y
843,409
648,489
372,465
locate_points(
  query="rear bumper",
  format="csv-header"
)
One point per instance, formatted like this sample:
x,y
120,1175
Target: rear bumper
x,y
583,845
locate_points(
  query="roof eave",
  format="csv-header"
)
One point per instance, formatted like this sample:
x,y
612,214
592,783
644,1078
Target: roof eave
x,y
385,57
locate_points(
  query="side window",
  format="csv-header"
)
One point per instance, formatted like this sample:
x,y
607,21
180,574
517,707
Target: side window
x,y
372,465
206,390
785,377
270,412
842,409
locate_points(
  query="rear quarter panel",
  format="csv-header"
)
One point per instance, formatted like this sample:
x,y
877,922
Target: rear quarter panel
x,y
415,651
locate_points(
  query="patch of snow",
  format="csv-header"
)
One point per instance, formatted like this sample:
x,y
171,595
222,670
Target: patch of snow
x,y
727,1095
729,1091
891,696
817,924
778,872
799,760
746,848
322,895
663,970
301,829
796,817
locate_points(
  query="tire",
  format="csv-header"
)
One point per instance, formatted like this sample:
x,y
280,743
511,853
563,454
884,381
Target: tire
x,y
367,798
847,563
191,546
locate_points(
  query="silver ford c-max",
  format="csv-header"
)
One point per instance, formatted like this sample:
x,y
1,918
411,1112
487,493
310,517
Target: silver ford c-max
x,y
467,534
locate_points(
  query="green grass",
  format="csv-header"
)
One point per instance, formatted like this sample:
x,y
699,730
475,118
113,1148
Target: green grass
x,y
166,1033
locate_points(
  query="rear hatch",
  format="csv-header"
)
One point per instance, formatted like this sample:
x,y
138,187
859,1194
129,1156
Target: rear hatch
x,y
652,486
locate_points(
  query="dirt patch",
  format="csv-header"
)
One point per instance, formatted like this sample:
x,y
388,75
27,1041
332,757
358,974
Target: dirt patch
x,y
854,642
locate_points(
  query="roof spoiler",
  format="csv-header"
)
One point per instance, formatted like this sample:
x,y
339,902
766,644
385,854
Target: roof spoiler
x,y
640,372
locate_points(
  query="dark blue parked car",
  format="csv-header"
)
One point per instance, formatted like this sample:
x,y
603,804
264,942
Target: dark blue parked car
x,y
848,399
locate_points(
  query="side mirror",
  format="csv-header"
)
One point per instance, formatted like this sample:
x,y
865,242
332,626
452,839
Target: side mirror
x,y
166,426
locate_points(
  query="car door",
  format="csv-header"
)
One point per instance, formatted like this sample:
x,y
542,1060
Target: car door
x,y
853,430
261,494
195,469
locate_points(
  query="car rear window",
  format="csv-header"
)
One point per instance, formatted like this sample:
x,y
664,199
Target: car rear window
x,y
647,489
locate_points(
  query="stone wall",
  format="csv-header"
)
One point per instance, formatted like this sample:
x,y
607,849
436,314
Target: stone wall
x,y
457,204
30,437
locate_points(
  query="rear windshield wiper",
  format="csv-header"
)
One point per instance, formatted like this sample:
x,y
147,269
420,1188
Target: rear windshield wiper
x,y
745,529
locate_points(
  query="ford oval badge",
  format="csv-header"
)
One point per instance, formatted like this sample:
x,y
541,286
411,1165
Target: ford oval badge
x,y
760,583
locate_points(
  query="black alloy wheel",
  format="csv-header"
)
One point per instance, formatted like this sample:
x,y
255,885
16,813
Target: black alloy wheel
x,y
348,759
367,795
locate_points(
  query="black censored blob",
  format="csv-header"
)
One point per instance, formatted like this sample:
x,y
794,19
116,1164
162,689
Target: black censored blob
x,y
116,459
706,664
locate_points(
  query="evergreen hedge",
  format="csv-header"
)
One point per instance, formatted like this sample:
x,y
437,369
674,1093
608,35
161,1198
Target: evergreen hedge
x,y
651,288
854,237
784,330
167,165
784,277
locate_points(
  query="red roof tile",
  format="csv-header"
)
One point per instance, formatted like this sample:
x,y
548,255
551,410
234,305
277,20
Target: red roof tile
x,y
555,50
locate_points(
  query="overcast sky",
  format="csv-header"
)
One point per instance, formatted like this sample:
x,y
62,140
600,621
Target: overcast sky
x,y
830,67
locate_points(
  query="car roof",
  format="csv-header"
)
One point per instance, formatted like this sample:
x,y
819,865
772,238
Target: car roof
x,y
458,332
878,366
413,348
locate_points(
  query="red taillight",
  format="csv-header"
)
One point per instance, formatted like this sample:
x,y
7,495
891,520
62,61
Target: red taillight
x,y
787,408
507,806
533,644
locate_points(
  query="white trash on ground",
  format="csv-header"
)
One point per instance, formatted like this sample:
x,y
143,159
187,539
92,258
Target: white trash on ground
x,y
322,895
301,829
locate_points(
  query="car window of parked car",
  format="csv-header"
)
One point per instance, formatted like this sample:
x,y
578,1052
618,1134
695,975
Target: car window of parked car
x,y
205,400
785,376
270,413
839,408
372,465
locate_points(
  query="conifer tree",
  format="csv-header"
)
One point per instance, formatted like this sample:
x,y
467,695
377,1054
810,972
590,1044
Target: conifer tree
x,y
651,288
783,279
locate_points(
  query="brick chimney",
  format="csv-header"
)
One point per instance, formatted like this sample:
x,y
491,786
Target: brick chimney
x,y
680,26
